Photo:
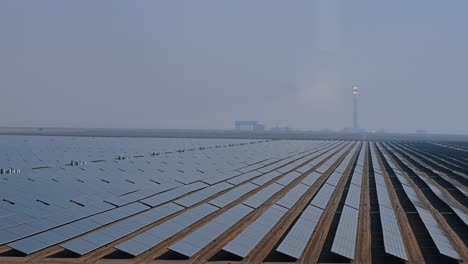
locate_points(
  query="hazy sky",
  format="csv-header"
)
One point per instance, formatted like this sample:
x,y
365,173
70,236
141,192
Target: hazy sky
x,y
204,64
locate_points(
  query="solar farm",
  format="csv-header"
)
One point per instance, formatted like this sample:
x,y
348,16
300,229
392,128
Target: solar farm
x,y
157,200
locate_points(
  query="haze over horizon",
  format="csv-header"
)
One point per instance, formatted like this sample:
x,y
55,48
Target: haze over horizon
x,y
204,64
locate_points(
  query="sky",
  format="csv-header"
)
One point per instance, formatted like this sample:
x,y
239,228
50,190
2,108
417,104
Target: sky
x,y
203,64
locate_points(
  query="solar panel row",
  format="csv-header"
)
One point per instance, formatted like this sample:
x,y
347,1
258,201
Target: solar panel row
x,y
344,242
393,241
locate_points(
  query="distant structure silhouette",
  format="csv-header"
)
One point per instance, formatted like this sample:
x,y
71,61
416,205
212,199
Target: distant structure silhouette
x,y
241,125
355,108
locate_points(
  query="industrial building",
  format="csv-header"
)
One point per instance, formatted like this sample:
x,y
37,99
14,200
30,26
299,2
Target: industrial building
x,y
233,201
253,126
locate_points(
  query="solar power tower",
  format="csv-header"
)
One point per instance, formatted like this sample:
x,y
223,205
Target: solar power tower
x,y
355,107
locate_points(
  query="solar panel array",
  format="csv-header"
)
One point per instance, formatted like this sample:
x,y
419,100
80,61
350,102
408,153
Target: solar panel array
x,y
296,240
137,199
435,189
441,240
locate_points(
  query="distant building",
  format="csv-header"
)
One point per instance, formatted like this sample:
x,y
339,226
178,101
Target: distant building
x,y
242,125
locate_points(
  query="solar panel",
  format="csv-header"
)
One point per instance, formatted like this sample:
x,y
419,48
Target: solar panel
x,y
29,244
219,178
461,215
246,241
251,168
344,243
88,243
334,178
413,196
199,239
311,178
304,168
383,196
393,241
296,240
359,169
244,177
173,194
323,168
356,179
264,194
44,207
266,178
288,178
379,179
287,168
233,195
152,237
269,161
441,241
323,196
353,197
442,196
402,179
42,224
293,196
141,194
203,194
273,166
